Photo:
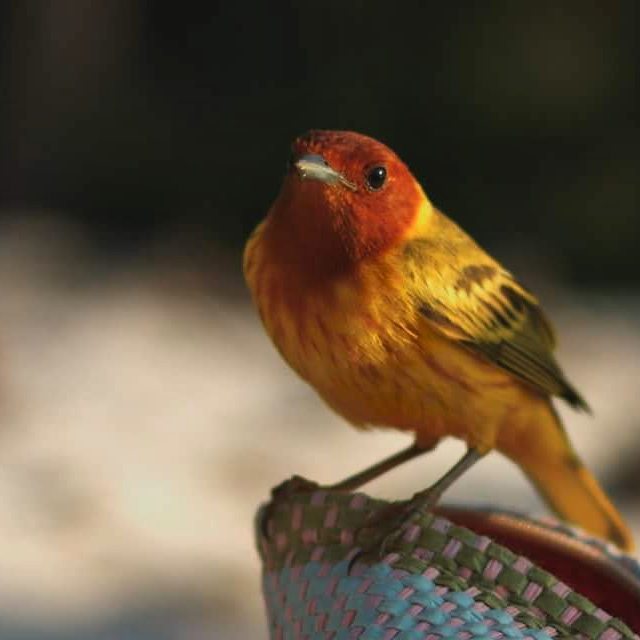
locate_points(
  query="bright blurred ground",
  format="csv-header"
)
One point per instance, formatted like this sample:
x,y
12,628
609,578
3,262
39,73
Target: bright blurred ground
x,y
145,415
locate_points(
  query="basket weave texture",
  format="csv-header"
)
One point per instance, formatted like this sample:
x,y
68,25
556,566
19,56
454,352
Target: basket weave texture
x,y
325,577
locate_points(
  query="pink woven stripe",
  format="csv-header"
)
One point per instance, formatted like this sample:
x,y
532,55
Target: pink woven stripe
x,y
302,590
358,501
321,621
422,554
610,634
532,591
561,589
570,615
601,615
373,602
382,618
347,619
432,573
406,592
502,591
281,541
482,542
465,573
480,607
398,574
492,570
296,517
522,565
332,516
440,525
310,536
364,586
451,549
412,533
318,498
346,537
331,587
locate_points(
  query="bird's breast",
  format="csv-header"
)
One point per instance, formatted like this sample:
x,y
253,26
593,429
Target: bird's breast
x,y
332,333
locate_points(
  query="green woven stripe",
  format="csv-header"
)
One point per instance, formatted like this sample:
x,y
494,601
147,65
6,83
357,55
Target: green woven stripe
x,y
590,626
471,558
552,604
513,580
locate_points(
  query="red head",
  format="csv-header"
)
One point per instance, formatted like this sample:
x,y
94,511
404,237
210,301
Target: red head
x,y
346,197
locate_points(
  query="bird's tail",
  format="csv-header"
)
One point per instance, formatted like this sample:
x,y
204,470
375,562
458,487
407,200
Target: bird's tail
x,y
568,486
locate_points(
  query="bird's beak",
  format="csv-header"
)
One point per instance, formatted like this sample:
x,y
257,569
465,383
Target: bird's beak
x,y
314,167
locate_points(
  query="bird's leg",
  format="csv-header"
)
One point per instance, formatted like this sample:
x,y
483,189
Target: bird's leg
x,y
374,471
428,498
297,484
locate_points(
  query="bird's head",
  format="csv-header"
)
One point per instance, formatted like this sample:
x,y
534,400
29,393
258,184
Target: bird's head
x,y
346,196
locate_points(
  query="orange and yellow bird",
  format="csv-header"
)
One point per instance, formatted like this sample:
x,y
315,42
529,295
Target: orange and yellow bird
x,y
399,319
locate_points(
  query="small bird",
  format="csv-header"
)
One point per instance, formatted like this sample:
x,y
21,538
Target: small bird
x,y
399,319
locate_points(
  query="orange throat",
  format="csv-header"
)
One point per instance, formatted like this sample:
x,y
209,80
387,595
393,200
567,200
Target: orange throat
x,y
319,233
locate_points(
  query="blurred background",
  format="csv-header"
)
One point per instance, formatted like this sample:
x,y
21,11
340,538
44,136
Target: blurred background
x,y
144,414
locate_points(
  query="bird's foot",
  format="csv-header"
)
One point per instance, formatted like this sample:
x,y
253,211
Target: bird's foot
x,y
412,514
283,493
294,485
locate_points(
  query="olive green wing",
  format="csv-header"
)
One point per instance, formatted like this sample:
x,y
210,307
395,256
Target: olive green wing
x,y
466,295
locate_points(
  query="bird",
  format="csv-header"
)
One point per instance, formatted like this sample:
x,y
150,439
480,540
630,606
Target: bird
x,y
398,319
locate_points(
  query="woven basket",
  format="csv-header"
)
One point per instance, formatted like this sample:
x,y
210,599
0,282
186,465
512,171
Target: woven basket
x,y
456,573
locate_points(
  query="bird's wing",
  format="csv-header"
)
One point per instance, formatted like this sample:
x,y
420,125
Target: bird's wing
x,y
470,298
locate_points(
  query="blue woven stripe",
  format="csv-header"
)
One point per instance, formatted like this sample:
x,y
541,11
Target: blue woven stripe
x,y
336,595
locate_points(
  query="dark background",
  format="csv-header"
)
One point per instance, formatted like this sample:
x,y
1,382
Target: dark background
x,y
152,119
143,412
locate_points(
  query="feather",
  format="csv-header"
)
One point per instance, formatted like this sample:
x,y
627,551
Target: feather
x,y
486,310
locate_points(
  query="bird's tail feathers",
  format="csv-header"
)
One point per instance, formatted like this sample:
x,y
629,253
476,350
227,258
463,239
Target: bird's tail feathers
x,y
569,488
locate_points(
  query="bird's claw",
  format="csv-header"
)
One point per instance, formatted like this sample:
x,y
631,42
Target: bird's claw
x,y
294,485
412,514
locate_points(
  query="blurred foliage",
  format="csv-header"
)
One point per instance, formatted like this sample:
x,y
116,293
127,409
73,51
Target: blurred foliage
x,y
144,119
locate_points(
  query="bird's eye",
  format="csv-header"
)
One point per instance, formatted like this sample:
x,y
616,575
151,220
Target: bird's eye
x,y
376,177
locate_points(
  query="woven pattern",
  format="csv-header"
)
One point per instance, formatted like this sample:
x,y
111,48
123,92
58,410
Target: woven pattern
x,y
324,578
329,602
